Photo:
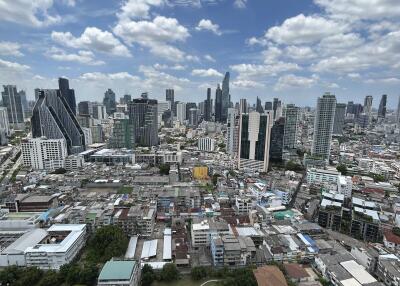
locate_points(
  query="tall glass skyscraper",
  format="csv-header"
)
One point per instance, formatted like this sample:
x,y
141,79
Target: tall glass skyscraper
x,y
207,106
323,126
143,117
382,107
67,93
226,98
340,115
109,101
218,105
291,127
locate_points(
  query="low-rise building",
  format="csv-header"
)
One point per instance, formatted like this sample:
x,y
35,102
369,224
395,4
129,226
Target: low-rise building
x,y
119,273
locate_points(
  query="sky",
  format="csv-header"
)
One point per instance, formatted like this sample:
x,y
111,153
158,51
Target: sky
x,y
292,49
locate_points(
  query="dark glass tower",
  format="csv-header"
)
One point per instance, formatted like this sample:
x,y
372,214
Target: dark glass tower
x,y
143,117
67,93
218,104
259,107
277,134
226,98
170,96
382,107
53,118
208,107
13,101
109,101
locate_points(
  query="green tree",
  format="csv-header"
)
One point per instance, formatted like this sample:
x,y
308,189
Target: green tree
x,y
198,273
9,275
51,278
164,169
169,272
148,275
29,275
292,166
342,169
215,179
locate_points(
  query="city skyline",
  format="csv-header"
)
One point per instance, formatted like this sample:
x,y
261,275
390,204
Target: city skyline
x,y
136,46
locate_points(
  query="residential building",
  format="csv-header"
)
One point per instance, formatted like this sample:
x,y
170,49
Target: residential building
x,y
323,126
388,270
122,135
206,144
200,234
109,101
143,118
13,102
291,130
44,154
277,139
193,117
53,119
391,241
181,112
232,132
4,123
120,273
398,112
331,211
170,97
340,114
74,162
254,141
67,93
382,107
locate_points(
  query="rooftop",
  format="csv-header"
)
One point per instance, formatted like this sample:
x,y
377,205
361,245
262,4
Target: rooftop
x,y
117,270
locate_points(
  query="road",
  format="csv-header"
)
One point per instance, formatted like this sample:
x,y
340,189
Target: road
x,y
294,196
209,281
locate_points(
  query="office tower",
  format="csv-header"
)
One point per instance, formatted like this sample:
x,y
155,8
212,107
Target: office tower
x,y
126,99
350,107
382,107
24,102
181,112
4,124
398,111
99,111
12,101
144,95
143,117
254,141
162,107
201,108
277,137
193,117
362,120
189,105
121,134
84,121
357,109
170,96
44,154
218,104
67,93
207,106
323,126
166,118
340,114
109,102
53,118
276,103
291,130
85,108
368,105
268,106
37,93
259,107
243,106
226,98
232,132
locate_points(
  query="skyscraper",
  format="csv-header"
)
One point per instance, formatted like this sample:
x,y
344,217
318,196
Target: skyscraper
x,y
99,111
12,100
218,105
382,107
254,141
243,105
323,126
226,97
53,118
170,96
340,115
143,117
350,107
193,117
4,124
109,101
232,132
122,136
85,108
67,93
398,111
181,112
277,137
291,127
189,105
207,106
259,107
368,105
126,99
276,104
268,105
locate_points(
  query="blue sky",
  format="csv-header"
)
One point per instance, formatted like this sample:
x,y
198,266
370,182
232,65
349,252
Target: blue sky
x,y
292,49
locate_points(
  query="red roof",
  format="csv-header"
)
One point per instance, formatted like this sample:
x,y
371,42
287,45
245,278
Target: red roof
x,y
391,237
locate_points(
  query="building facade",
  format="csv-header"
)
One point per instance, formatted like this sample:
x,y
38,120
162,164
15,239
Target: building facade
x,y
13,102
143,116
291,129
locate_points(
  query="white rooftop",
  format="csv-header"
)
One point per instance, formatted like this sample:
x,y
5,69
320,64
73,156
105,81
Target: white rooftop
x,y
149,249
363,203
371,213
358,272
350,282
326,202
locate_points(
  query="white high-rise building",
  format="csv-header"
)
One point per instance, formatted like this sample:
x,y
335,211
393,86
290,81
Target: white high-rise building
x,y
323,126
4,124
232,132
368,105
291,129
43,153
181,112
254,141
206,144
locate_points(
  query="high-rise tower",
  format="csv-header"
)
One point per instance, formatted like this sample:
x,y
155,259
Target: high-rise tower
x,y
67,93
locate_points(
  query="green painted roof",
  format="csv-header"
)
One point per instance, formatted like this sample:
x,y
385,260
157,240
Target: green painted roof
x,y
280,215
117,270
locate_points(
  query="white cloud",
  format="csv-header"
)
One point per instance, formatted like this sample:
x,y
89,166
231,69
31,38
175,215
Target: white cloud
x,y
207,73
241,4
28,12
175,67
361,9
12,66
272,54
156,35
251,70
339,42
300,53
303,29
136,9
208,25
292,81
98,76
354,75
82,57
93,39
10,49
253,41
209,58
247,84
161,80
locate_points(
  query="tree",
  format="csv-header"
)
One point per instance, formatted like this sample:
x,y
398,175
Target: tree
x,y
59,171
292,166
342,169
215,179
148,275
29,275
169,272
164,169
51,278
198,273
